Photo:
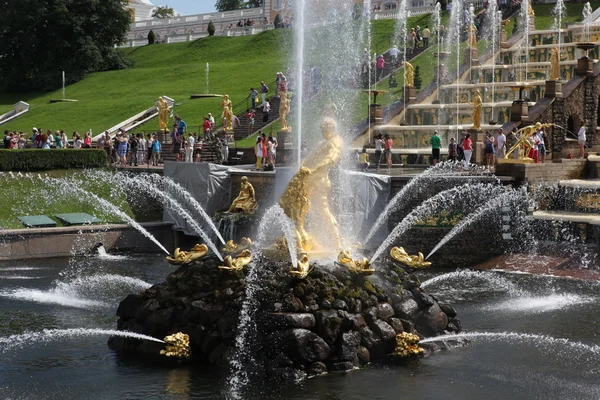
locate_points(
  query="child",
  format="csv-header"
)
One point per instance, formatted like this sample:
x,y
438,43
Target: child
x,y
364,160
452,150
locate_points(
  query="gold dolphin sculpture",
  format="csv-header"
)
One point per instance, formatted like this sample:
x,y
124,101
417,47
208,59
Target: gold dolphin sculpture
x,y
302,268
178,345
400,255
187,257
231,247
238,263
362,267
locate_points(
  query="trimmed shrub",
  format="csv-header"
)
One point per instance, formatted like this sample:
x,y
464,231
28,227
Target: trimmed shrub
x,y
151,37
211,29
43,159
278,21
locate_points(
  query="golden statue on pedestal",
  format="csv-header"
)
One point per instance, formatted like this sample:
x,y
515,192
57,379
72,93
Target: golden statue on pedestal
x,y
198,252
400,255
311,187
284,110
477,103
238,263
302,268
231,247
554,64
246,200
178,345
472,38
407,345
162,106
362,267
410,74
227,113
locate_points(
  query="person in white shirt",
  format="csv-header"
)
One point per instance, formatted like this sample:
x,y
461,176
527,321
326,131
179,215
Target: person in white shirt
x,y
394,54
211,119
189,149
581,140
378,150
500,144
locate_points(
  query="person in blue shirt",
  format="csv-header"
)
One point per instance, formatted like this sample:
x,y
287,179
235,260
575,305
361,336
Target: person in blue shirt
x,y
155,150
181,125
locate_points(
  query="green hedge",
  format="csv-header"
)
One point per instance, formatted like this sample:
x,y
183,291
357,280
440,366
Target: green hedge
x,y
44,159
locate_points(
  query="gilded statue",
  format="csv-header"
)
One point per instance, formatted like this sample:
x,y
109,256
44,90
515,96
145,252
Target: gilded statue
x,y
302,268
410,74
238,263
362,267
227,113
530,11
477,103
232,247
523,143
407,345
162,106
178,345
246,200
554,64
198,252
310,188
400,255
284,110
472,39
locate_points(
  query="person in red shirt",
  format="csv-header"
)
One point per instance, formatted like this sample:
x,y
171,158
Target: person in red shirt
x,y
250,117
388,143
467,146
206,128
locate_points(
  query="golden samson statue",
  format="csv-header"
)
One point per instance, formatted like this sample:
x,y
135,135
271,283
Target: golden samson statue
x,y
162,106
310,188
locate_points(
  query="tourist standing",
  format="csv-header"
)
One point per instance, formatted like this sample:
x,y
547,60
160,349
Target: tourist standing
x,y
378,150
87,141
225,148
364,160
206,127
258,151
452,150
266,110
467,146
250,117
380,65
57,140
181,125
394,55
500,144
133,146
189,148
254,97
122,148
76,141
142,147
489,149
149,146
426,34
211,119
436,145
264,89
541,141
388,151
156,146
64,139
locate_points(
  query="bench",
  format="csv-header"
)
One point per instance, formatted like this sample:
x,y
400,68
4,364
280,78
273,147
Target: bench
x,y
77,219
37,221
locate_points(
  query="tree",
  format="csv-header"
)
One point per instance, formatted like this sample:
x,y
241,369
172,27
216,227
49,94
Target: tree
x,y
151,37
211,29
443,4
228,5
253,4
418,80
163,12
39,39
278,22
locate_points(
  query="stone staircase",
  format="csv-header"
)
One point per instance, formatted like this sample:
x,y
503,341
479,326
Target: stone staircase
x,y
241,131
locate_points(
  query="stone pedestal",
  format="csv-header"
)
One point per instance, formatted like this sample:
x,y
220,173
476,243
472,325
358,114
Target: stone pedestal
x,y
376,114
478,139
472,56
284,140
410,94
585,67
519,111
442,73
553,89
504,40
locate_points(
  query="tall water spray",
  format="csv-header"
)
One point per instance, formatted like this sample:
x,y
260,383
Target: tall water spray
x,y
493,20
402,29
586,14
299,72
525,20
455,30
63,84
436,22
471,24
206,74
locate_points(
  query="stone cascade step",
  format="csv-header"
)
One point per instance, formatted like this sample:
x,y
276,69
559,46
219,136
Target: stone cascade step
x,y
241,131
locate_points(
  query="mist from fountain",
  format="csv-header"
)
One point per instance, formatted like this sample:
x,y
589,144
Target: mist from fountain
x,y
493,20
489,208
402,29
275,216
585,14
560,12
454,44
299,33
525,20
399,200
468,195
15,342
436,22
471,23
206,73
464,275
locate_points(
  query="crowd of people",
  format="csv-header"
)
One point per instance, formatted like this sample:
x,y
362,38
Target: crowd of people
x,y
48,140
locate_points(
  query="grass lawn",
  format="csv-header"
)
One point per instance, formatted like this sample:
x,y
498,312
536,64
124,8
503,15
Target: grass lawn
x,y
25,196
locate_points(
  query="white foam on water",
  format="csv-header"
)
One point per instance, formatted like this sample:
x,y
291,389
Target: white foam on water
x,y
539,304
105,256
18,277
466,275
2,269
48,335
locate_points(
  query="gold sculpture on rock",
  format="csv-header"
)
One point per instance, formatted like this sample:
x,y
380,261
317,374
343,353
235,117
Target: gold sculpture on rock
x,y
477,103
227,113
178,345
246,200
231,247
524,143
198,252
238,263
284,110
162,106
362,267
410,74
407,345
310,189
554,64
302,267
417,262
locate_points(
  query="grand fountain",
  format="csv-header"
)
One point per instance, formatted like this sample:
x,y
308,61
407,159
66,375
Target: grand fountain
x,y
332,277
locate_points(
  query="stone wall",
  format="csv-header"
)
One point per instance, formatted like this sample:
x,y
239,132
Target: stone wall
x,y
535,173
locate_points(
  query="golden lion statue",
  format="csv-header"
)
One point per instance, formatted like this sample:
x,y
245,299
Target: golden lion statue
x,y
400,255
198,252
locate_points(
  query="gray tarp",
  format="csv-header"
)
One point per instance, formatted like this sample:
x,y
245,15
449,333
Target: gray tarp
x,y
209,183
370,195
